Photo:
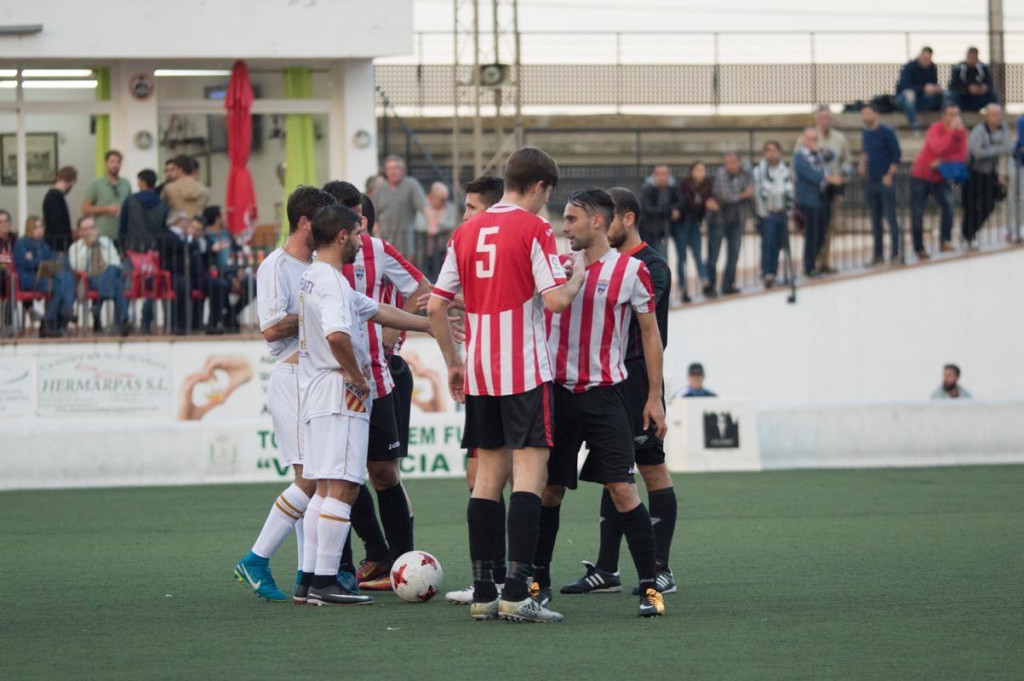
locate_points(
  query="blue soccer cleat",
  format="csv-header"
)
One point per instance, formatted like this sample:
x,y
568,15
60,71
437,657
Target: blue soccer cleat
x,y
349,581
255,571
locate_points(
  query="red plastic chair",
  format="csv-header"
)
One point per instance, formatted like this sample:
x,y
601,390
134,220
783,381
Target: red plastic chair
x,y
27,298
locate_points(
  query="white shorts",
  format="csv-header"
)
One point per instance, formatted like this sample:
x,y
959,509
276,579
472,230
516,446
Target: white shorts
x,y
283,403
336,447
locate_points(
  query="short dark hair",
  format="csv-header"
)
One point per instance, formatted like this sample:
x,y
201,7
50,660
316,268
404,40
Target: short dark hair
x,y
772,143
181,161
113,152
625,202
331,220
369,211
595,202
528,166
927,49
695,369
955,369
147,177
67,173
972,49
304,202
343,192
947,105
488,187
210,214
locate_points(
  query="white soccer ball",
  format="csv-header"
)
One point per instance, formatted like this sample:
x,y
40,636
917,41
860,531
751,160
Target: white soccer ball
x,y
416,577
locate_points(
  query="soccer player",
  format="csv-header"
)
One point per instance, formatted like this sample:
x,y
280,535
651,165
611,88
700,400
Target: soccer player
x,y
589,342
336,371
649,449
505,262
277,300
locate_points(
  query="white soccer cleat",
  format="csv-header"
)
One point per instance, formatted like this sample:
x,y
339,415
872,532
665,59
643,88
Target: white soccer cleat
x,y
527,610
465,596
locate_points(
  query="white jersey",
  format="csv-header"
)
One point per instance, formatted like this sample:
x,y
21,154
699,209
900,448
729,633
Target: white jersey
x,y
327,304
277,296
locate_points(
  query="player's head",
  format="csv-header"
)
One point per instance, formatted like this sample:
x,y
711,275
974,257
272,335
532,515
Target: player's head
x,y
530,175
344,193
481,194
303,203
588,215
369,213
627,216
336,227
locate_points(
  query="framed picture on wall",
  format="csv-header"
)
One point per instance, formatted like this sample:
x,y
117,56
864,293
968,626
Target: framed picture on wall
x,y
40,158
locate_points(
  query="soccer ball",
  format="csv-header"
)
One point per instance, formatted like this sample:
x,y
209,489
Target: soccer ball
x,y
416,576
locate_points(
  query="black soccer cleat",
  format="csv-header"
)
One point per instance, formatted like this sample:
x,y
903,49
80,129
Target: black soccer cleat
x,y
651,604
335,594
594,582
664,582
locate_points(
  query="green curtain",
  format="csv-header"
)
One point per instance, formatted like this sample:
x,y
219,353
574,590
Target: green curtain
x,y
102,120
300,152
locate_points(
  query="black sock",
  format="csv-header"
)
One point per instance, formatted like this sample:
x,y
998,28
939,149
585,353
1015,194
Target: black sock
x,y
663,516
480,516
636,525
364,522
394,515
500,543
320,581
611,535
307,579
523,527
346,556
548,526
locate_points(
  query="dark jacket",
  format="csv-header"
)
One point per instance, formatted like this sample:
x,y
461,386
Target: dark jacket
x,y
28,253
143,222
964,75
810,177
56,220
657,208
695,199
914,77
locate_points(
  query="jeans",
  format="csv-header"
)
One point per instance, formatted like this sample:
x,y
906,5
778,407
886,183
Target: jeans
x,y
814,234
979,200
920,190
968,102
110,286
733,234
881,202
773,236
687,235
910,103
61,288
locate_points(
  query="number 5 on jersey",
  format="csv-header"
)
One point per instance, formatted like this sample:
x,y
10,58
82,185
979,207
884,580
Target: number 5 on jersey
x,y
485,253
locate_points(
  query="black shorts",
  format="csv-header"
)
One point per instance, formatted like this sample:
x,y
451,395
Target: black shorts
x,y
649,450
402,399
510,421
600,418
384,442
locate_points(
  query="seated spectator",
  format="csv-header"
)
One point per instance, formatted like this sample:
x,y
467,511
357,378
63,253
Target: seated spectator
x,y
989,141
661,205
918,87
7,240
227,257
39,270
733,192
944,143
951,388
95,256
695,193
773,199
694,383
970,84
213,286
434,226
180,256
183,192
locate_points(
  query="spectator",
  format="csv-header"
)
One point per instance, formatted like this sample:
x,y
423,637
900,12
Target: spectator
x,y
945,142
989,141
182,192
918,87
970,84
143,219
95,256
398,200
434,227
695,194
105,196
951,388
695,383
879,163
773,199
1012,234
56,218
227,255
39,270
661,202
809,164
208,280
7,241
732,190
180,256
830,141
372,183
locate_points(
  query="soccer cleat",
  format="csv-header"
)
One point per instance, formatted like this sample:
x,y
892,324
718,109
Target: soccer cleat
x,y
651,604
372,569
255,572
465,596
526,610
541,595
382,583
336,594
594,582
664,582
348,580
300,591
485,611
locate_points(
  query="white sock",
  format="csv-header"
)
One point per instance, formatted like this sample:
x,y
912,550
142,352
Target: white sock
x,y
309,523
286,511
332,530
300,540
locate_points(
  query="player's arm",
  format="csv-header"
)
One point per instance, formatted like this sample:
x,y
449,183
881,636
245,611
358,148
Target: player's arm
x,y
341,347
288,327
391,317
557,300
448,285
654,358
412,306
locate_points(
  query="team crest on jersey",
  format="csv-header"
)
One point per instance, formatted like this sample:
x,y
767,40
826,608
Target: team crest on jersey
x,y
602,286
555,263
359,271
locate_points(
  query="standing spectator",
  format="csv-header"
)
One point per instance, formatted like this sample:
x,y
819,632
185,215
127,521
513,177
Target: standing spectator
x,y
182,192
773,199
39,270
372,183
434,228
879,163
951,388
7,240
181,257
1012,233
143,219
812,178
694,384
399,200
95,256
833,144
732,190
660,201
696,197
226,258
105,196
970,84
56,217
989,141
945,142
918,87
208,280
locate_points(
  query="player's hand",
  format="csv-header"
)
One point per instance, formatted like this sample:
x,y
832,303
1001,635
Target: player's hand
x,y
457,383
360,387
390,337
422,302
458,325
654,413
579,267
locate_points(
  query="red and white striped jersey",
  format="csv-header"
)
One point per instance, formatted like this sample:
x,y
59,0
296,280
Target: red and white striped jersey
x,y
390,296
378,264
503,260
588,340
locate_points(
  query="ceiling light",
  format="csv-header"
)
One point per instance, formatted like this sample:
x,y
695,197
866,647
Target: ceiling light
x,y
49,84
56,73
193,73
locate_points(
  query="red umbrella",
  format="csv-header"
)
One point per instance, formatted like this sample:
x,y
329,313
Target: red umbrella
x,y
240,197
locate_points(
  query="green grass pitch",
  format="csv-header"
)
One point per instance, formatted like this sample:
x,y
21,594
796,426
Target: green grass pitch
x,y
874,574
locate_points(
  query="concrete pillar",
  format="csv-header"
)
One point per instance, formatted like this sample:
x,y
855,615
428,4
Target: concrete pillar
x,y
353,122
130,115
